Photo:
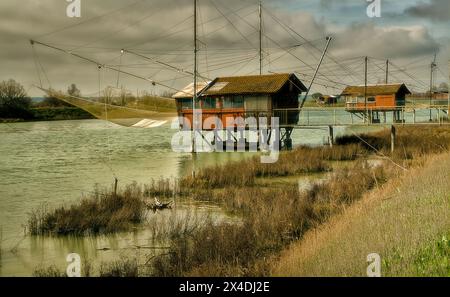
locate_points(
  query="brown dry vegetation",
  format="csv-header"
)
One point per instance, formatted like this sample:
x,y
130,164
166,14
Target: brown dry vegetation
x,y
303,160
102,212
272,217
275,217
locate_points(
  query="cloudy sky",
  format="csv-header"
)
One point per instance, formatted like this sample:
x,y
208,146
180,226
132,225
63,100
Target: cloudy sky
x,y
408,33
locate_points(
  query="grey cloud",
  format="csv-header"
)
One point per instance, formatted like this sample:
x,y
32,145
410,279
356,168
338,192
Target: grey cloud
x,y
142,26
436,10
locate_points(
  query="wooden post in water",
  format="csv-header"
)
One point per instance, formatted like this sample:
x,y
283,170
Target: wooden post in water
x,y
393,134
115,186
331,135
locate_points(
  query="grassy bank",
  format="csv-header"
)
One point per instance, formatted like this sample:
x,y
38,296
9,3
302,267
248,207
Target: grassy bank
x,y
406,223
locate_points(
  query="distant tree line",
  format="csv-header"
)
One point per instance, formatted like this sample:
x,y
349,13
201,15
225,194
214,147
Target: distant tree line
x,y
16,104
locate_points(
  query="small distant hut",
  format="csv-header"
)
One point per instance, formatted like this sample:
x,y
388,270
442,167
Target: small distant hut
x,y
327,100
375,99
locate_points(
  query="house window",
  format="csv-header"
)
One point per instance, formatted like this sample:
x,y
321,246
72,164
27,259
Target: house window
x,y
238,102
186,104
371,99
208,103
233,102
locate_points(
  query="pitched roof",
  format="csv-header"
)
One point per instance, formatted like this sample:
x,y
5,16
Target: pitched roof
x,y
373,90
253,84
188,91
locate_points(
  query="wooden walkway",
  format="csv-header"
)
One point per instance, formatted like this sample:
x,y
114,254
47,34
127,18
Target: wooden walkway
x,y
330,116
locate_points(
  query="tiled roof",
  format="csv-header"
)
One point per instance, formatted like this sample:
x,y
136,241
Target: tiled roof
x,y
373,90
253,84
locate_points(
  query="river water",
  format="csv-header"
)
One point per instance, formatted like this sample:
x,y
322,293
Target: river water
x,y
59,162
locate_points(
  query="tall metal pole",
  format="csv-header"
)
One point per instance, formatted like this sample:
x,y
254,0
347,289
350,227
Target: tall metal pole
x,y
194,97
387,71
316,72
260,40
365,86
433,64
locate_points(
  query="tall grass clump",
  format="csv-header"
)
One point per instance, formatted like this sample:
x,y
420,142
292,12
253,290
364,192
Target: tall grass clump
x,y
411,142
102,212
302,160
50,271
162,188
271,219
120,268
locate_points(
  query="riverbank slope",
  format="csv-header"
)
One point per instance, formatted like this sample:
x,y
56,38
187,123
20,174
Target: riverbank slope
x,y
406,222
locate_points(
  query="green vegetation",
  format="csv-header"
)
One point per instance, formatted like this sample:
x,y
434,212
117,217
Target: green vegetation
x,y
431,260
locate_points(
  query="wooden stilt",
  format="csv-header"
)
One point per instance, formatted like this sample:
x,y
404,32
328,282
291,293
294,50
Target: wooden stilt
x,y
331,135
393,134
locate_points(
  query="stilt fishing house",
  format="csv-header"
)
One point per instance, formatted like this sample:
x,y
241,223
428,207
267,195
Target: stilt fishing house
x,y
373,99
244,96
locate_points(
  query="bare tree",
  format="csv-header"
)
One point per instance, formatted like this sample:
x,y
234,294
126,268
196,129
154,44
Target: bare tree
x,y
14,101
73,91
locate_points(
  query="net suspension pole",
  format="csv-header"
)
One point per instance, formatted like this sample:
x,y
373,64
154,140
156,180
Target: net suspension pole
x,y
194,98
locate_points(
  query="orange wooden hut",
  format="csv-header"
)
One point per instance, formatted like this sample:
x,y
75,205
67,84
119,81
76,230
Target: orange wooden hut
x,y
379,97
243,96
370,100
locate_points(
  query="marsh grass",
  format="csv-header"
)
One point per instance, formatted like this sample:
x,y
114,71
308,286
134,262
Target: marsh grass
x,y
102,212
302,160
271,219
162,188
411,142
121,268
50,271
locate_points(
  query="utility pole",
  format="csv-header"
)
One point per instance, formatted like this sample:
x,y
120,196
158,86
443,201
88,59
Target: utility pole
x,y
387,71
366,62
260,39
